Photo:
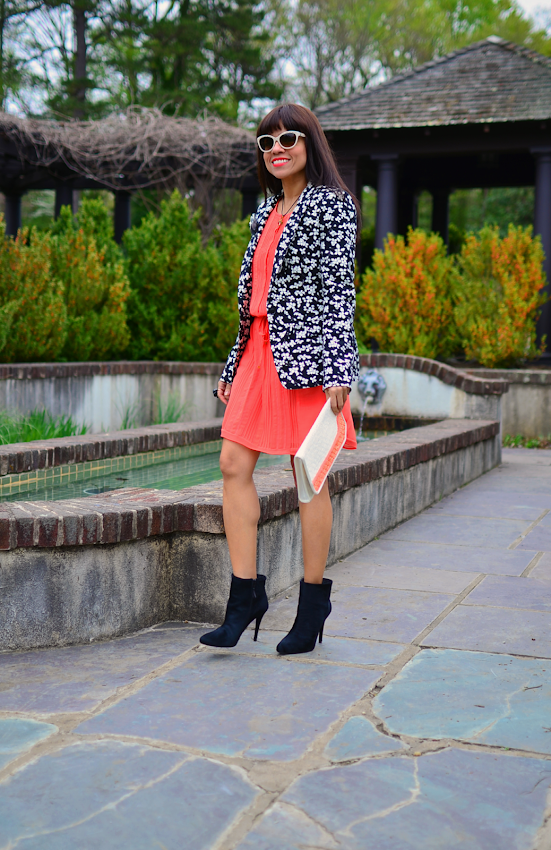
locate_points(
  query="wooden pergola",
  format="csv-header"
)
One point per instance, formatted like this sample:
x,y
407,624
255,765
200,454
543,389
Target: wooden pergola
x,y
123,153
479,117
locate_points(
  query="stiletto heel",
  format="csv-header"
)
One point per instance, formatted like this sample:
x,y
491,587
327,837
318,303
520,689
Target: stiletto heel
x,y
257,626
247,602
313,610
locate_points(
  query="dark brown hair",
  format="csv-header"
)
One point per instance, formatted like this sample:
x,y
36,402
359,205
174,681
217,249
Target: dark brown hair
x,y
321,168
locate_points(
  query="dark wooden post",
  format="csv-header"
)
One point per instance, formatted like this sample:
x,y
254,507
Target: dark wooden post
x,y
387,197
12,214
542,226
348,169
249,201
407,210
122,217
63,198
440,212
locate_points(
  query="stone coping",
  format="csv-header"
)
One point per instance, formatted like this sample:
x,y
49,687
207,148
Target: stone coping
x,y
515,376
30,371
447,374
464,380
45,454
131,514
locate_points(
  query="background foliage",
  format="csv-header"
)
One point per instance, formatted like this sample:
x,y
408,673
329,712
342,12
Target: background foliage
x,y
33,314
167,294
90,267
405,301
482,303
183,304
83,58
498,301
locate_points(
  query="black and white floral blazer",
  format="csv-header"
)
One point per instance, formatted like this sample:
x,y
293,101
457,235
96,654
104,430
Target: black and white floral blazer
x,y
311,299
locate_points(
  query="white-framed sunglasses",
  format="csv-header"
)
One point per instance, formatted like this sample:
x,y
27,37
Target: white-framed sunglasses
x,y
287,140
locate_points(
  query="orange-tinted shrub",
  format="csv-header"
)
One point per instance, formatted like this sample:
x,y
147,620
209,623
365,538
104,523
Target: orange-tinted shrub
x,y
405,302
500,296
90,266
32,309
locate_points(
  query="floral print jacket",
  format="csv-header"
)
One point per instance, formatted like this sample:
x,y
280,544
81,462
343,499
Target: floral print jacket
x,y
311,299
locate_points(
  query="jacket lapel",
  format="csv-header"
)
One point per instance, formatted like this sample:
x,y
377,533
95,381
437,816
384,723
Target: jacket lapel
x,y
290,229
259,219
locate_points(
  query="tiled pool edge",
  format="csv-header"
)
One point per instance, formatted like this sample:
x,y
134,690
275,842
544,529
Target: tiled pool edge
x,y
94,568
17,458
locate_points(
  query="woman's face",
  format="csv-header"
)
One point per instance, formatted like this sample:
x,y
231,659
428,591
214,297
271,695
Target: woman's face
x,y
286,162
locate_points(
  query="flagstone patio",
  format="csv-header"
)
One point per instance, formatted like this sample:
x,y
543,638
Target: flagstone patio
x,y
423,721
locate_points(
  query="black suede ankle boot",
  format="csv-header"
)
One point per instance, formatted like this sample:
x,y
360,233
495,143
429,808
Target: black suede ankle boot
x,y
314,608
247,602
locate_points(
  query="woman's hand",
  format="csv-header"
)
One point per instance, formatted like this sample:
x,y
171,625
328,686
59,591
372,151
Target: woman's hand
x,y
224,391
338,396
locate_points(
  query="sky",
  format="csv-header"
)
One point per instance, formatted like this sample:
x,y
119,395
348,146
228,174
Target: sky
x,y
531,6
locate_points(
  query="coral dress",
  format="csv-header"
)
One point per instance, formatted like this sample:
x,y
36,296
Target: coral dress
x,y
261,414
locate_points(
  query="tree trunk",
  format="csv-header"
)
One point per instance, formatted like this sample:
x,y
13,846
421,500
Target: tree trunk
x,y
79,26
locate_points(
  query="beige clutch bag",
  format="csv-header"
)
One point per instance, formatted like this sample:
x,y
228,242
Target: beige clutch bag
x,y
318,452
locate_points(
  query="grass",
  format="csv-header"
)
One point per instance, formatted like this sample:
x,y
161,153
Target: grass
x,y
163,413
36,425
520,442
172,411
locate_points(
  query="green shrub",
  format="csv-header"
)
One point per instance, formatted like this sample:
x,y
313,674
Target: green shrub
x,y
32,308
36,425
183,304
405,301
500,296
90,266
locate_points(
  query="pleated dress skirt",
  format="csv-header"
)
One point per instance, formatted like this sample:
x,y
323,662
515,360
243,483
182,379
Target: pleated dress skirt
x,y
261,414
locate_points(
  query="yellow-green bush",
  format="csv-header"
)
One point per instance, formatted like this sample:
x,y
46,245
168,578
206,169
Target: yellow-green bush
x,y
500,296
32,308
91,268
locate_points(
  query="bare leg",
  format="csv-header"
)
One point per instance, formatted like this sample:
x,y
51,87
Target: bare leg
x,y
316,518
241,507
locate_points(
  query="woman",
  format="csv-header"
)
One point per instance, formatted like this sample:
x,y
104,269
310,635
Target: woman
x,y
295,348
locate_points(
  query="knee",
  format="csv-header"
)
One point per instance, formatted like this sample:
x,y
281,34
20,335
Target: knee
x,y
230,466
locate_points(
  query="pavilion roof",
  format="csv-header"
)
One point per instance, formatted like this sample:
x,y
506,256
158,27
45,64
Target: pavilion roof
x,y
487,82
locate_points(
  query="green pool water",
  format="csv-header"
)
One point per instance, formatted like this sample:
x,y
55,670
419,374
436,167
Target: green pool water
x,y
170,475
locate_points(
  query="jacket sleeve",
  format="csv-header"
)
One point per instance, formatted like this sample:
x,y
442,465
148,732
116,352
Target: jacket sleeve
x,y
338,226
229,368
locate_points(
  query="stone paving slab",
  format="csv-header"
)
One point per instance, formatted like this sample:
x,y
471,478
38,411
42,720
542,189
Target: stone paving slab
x,y
494,630
354,571
471,696
265,704
112,795
542,570
511,592
373,613
538,540
451,800
384,614
441,556
79,678
463,531
326,745
359,738
18,735
333,649
502,505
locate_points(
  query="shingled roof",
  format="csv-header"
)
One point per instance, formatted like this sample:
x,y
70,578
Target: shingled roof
x,y
487,82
